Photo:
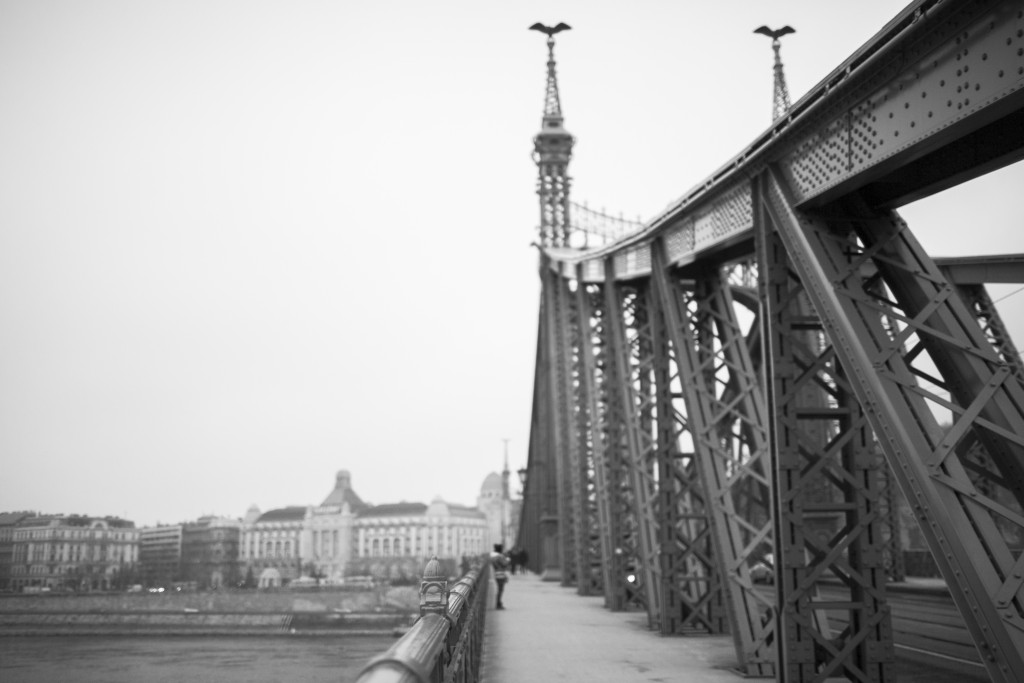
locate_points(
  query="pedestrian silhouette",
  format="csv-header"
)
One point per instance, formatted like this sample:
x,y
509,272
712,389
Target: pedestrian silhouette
x,y
499,565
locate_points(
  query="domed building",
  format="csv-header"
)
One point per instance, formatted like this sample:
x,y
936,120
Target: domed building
x,y
345,536
501,511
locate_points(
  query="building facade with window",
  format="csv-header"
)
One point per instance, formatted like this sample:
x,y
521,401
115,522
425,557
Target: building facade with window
x,y
344,536
331,539
394,541
73,552
281,545
209,552
160,555
8,521
271,545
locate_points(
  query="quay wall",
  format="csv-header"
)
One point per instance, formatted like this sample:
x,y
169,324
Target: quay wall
x,y
401,598
369,612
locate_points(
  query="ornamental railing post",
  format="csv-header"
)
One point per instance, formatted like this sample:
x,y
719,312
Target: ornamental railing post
x,y
434,589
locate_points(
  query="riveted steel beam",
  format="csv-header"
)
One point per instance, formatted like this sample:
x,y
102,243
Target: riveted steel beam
x,y
936,391
933,99
983,270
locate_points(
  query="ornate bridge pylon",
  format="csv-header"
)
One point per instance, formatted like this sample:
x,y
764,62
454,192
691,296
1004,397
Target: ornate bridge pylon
x,y
738,387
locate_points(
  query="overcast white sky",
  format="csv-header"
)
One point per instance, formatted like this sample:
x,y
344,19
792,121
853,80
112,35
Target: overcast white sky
x,y
246,244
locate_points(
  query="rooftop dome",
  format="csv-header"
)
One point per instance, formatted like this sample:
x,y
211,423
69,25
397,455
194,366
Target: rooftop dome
x,y
492,482
343,493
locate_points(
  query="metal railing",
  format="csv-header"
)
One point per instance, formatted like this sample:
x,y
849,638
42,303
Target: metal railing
x,y
446,642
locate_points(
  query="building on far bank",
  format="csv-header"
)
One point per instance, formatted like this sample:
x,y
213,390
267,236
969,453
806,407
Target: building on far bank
x,y
281,545
73,552
270,552
160,555
209,552
8,520
329,540
344,536
396,540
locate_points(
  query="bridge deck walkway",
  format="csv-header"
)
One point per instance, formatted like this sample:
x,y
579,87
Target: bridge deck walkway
x,y
549,633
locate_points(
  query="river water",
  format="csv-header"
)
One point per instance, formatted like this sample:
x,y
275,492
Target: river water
x,y
213,659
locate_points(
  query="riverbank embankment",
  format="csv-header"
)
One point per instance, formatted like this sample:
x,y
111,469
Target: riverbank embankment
x,y
309,612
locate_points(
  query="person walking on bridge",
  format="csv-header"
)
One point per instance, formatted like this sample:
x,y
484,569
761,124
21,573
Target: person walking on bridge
x,y
499,565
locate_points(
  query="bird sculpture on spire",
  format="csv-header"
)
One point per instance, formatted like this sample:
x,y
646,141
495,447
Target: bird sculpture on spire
x,y
780,96
552,149
777,33
549,30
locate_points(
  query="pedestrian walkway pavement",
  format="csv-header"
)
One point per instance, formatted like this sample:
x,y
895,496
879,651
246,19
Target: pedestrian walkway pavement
x,y
549,633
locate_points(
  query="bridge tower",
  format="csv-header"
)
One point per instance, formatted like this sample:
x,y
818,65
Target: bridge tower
x,y
780,96
544,516
552,149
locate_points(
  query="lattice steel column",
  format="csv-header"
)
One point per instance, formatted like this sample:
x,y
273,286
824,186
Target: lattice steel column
x,y
820,434
560,428
535,488
593,467
726,417
548,444
575,510
937,364
889,499
630,355
607,438
613,495
691,583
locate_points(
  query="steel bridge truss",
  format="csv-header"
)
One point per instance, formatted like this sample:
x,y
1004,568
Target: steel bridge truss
x,y
675,466
947,406
759,377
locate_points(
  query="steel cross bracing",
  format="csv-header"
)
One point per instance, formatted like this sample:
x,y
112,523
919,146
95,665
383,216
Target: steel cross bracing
x,y
820,435
691,589
980,303
937,393
631,358
889,521
725,412
613,500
